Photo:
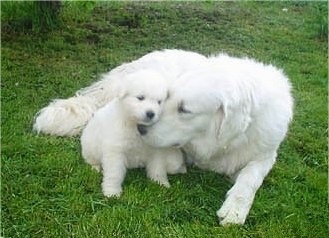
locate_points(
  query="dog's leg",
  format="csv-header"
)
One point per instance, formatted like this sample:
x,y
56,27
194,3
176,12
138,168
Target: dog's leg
x,y
156,171
174,161
114,171
240,197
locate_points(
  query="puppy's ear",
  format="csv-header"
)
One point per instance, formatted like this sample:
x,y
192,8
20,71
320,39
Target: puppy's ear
x,y
119,89
122,92
221,115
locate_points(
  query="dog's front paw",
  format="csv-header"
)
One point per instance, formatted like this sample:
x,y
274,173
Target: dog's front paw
x,y
233,211
110,191
158,177
161,181
164,184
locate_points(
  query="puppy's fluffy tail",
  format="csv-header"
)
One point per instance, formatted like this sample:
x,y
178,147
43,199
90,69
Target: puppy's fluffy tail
x,y
65,117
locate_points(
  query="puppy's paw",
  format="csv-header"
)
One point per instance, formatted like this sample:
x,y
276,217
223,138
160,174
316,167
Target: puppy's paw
x,y
161,181
233,211
110,191
165,184
159,177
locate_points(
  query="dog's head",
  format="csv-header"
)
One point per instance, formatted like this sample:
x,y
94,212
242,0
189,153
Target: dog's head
x,y
195,108
142,94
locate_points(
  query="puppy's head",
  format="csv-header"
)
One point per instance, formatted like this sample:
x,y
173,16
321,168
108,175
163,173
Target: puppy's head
x,y
195,109
142,95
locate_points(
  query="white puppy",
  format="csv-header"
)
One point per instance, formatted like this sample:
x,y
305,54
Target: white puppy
x,y
67,117
230,117
111,141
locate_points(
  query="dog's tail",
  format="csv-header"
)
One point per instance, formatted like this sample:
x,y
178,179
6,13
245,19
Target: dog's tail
x,y
68,117
65,117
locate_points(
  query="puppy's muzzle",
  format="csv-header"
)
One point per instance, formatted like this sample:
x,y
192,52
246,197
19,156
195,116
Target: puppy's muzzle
x,y
150,115
142,129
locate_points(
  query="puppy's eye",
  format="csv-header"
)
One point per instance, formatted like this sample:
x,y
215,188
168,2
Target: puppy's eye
x,y
140,97
181,109
159,102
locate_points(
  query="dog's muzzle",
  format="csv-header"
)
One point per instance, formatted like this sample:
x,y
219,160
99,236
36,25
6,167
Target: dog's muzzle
x,y
142,129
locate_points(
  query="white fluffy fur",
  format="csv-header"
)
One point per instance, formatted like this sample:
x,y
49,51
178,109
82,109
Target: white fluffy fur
x,y
230,116
110,140
67,117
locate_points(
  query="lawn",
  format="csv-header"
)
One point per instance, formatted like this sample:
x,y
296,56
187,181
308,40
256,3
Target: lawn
x,y
48,191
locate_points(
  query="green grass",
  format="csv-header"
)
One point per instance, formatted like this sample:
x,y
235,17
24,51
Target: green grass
x,y
48,191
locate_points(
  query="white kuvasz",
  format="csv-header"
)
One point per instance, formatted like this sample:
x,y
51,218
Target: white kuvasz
x,y
112,143
67,117
229,116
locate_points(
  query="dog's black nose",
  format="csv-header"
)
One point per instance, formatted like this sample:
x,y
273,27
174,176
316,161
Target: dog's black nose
x,y
150,114
141,129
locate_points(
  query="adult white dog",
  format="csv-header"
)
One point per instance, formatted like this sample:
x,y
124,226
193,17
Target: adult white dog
x,y
67,117
230,116
111,141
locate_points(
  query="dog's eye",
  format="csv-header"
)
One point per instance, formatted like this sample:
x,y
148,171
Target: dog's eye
x,y
140,98
181,109
159,102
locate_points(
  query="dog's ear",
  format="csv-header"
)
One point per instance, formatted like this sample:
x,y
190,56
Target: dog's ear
x,y
220,118
122,92
119,89
232,121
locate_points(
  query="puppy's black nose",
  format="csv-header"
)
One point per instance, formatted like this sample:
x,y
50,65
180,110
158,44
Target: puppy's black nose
x,y
141,129
150,114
